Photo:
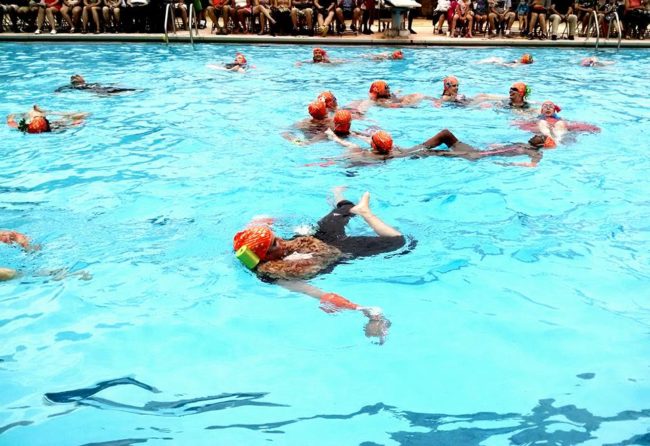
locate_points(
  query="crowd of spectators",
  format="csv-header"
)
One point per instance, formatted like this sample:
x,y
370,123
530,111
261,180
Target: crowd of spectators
x,y
539,19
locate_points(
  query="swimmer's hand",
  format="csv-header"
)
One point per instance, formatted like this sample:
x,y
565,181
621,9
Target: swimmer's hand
x,y
7,274
377,328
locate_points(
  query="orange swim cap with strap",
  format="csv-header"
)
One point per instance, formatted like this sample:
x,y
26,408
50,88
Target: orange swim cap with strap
x,y
329,98
317,110
240,59
380,89
397,55
382,142
38,124
342,121
257,238
521,88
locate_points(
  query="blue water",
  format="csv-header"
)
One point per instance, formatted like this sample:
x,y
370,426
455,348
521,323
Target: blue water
x,y
521,316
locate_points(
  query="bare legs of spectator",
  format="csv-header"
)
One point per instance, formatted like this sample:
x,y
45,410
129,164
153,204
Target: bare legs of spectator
x,y
94,11
265,14
42,12
115,13
534,16
76,15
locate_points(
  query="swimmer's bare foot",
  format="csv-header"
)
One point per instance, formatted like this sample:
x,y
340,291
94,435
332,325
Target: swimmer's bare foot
x,y
363,206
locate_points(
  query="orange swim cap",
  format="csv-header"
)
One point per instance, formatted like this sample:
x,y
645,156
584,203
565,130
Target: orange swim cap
x,y
257,238
382,142
329,98
526,59
39,124
549,143
397,55
521,88
317,109
556,108
240,59
380,89
450,81
342,121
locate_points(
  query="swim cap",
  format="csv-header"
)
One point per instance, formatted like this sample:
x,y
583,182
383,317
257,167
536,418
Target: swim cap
x,y
38,124
319,53
556,108
588,61
380,89
522,88
240,59
317,110
329,99
397,55
258,239
549,143
450,81
526,59
382,142
342,121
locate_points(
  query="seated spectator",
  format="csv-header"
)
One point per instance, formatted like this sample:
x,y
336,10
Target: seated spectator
x,y
27,12
584,9
440,14
137,12
350,10
538,12
635,18
368,11
562,11
74,7
219,8
181,8
462,19
302,10
522,16
91,7
240,10
501,17
49,8
10,9
326,11
281,13
111,13
480,15
262,10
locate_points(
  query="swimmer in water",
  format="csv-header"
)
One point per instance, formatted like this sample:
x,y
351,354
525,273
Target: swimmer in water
x,y
395,55
594,62
549,123
36,120
320,56
313,130
240,64
450,93
380,95
13,238
525,59
517,98
77,82
292,262
382,149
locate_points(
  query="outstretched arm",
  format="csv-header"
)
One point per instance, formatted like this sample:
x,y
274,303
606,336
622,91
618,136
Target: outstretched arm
x,y
352,147
442,137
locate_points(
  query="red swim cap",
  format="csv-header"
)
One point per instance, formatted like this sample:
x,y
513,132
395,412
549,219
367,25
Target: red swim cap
x,y
521,88
342,121
397,55
380,89
257,238
382,142
549,143
240,59
329,98
449,81
556,108
526,59
39,124
317,110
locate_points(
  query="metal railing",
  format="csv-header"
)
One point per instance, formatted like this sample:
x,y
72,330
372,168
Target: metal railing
x,y
597,24
618,28
169,11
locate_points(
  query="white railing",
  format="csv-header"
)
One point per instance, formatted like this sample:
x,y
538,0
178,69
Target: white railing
x,y
169,12
618,28
597,25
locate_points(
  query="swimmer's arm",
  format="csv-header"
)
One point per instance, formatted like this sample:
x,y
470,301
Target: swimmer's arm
x,y
7,274
442,137
294,139
352,147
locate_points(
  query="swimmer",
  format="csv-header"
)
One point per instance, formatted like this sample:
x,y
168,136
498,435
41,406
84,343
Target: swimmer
x,y
77,82
13,238
382,149
594,62
240,64
313,130
319,55
395,55
525,59
450,93
549,123
330,100
36,121
380,95
291,262
517,98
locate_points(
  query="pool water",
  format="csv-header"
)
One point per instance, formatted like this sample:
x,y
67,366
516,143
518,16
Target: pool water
x,y
521,316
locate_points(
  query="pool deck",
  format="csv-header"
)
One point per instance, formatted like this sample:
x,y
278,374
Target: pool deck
x,y
423,27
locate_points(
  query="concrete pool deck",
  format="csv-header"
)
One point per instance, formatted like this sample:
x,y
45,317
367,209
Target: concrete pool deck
x,y
423,27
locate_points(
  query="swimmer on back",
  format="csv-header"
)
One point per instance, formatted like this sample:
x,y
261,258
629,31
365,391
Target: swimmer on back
x,y
595,62
380,95
240,64
36,120
525,59
292,262
395,55
77,82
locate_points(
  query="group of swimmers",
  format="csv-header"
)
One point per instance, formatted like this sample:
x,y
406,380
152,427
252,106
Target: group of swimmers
x,y
292,262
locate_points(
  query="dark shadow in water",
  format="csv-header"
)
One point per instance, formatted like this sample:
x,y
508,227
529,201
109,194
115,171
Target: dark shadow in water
x,y
578,426
86,397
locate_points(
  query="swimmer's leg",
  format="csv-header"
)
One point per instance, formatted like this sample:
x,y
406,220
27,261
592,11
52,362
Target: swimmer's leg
x,y
331,228
363,209
559,130
442,137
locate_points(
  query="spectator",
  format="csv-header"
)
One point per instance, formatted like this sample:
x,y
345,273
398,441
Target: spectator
x,y
219,8
350,10
635,18
480,15
49,8
584,9
501,17
302,10
111,13
75,7
262,9
562,11
326,11
440,14
538,13
91,7
462,19
523,9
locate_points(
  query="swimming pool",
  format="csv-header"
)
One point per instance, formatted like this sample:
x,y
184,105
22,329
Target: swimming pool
x,y
520,317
